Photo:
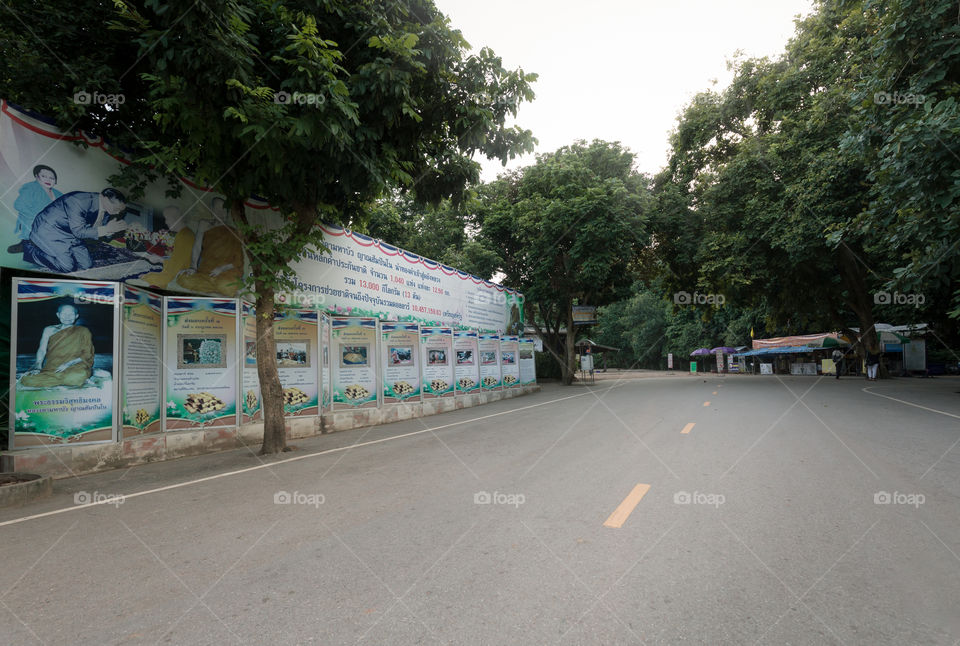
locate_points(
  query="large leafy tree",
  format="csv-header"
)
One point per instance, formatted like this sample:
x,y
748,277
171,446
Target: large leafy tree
x,y
567,231
757,180
388,98
906,128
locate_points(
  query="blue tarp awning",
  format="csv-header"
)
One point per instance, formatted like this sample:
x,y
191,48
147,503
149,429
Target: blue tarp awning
x,y
789,349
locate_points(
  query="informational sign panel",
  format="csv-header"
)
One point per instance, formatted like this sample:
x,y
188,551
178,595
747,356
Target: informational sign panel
x,y
142,331
766,368
509,361
297,337
325,354
693,367
586,362
467,358
401,362
528,365
584,315
719,361
353,344
670,361
250,404
201,362
362,276
489,347
436,355
64,379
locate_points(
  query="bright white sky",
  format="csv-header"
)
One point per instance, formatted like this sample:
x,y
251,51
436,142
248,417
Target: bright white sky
x,y
619,70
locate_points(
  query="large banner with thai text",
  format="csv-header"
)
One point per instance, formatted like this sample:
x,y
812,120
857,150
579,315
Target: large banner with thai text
x,y
64,377
362,276
60,214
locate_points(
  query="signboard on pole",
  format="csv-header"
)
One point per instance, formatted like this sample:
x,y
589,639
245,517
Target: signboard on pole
x,y
670,361
584,315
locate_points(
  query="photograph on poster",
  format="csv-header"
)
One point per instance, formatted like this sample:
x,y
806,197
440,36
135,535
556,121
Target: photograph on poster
x,y
250,352
508,358
437,357
464,357
488,358
526,353
207,351
401,356
293,354
354,356
64,368
64,354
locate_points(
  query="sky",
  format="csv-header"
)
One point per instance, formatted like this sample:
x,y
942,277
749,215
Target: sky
x,y
619,70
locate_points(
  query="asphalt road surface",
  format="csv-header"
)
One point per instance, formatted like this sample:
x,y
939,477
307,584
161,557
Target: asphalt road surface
x,y
792,511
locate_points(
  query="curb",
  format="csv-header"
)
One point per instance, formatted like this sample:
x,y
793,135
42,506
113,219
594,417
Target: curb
x,y
35,488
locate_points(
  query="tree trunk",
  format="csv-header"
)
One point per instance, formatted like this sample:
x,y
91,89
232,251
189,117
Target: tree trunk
x,y
570,365
860,301
271,392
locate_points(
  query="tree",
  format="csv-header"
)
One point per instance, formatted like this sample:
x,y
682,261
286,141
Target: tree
x,y
378,95
757,181
906,128
567,231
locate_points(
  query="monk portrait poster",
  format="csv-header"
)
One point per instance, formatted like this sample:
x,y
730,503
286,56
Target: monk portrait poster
x,y
64,372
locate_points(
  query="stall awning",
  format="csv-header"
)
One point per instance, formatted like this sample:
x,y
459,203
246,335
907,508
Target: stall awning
x,y
790,349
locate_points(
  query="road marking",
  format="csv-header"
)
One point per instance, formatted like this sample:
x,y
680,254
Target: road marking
x,y
267,465
620,514
932,410
688,427
706,404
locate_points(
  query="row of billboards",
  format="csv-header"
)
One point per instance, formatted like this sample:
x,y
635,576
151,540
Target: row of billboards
x,y
97,361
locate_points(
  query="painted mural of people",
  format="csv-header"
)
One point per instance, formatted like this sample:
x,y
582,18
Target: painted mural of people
x,y
66,352
33,197
181,255
217,258
60,229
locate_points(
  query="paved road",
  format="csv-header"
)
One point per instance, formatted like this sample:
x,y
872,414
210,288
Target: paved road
x,y
767,522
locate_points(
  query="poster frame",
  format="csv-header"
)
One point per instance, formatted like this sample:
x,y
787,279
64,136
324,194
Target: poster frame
x,y
14,347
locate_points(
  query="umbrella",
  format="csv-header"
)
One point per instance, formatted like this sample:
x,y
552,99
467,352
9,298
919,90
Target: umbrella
x,y
700,352
724,349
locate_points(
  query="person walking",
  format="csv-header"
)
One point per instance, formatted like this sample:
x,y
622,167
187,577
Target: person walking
x,y
838,361
873,363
